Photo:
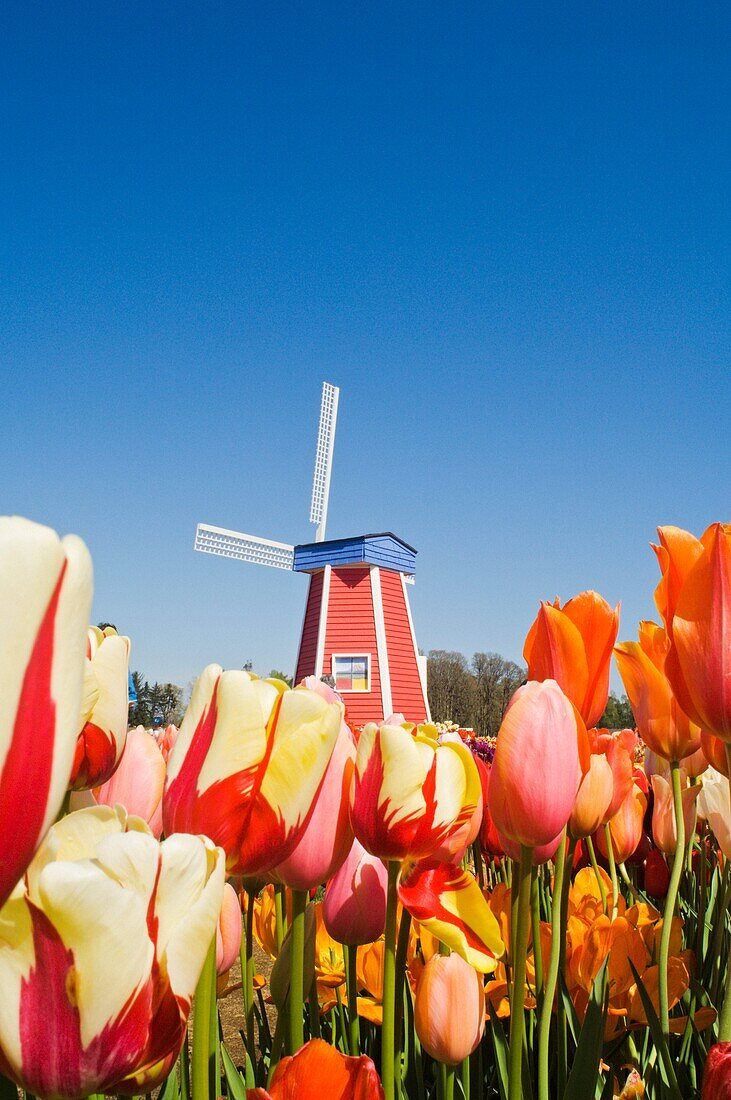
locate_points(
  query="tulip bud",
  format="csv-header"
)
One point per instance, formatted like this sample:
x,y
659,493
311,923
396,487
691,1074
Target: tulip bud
x,y
593,799
228,931
717,1073
664,827
625,827
449,1008
354,906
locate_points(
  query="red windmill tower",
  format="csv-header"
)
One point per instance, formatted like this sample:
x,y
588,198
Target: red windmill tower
x,y
357,626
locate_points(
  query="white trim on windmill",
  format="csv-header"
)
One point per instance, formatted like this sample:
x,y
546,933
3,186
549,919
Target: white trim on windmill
x,y
324,458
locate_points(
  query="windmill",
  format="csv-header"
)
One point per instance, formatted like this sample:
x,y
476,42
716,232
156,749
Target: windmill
x,y
357,625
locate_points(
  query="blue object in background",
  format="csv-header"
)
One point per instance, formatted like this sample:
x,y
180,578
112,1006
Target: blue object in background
x,y
131,693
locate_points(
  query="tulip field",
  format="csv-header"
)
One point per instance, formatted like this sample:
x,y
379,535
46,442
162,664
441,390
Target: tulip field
x,y
271,902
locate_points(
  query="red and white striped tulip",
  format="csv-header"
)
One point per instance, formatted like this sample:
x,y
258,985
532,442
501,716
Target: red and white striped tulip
x,y
104,710
106,937
45,602
247,766
411,796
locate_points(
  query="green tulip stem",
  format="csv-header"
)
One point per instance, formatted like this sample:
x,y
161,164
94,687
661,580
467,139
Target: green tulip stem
x,y
597,873
558,933
388,1053
535,916
521,883
561,1021
351,978
246,956
724,1024
296,974
281,923
204,1061
671,899
612,871
449,1082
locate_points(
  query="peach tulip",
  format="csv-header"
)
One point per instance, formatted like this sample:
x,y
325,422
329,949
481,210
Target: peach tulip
x,y
573,646
619,748
593,799
714,751
663,725
106,935
103,724
328,837
354,906
138,782
449,1008
625,827
410,795
537,770
45,601
700,666
664,828
228,930
247,766
318,1070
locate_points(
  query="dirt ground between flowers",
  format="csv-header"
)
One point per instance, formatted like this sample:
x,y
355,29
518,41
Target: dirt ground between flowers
x,y
231,1005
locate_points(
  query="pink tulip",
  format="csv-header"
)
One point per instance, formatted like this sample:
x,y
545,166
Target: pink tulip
x,y
354,907
138,782
328,836
228,931
166,739
541,852
664,828
536,772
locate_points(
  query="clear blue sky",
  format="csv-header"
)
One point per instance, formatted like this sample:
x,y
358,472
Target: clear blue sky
x,y
502,229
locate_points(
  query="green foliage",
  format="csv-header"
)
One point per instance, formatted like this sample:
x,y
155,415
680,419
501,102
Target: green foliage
x,y
617,714
162,700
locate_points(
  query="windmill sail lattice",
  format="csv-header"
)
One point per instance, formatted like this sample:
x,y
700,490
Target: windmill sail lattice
x,y
323,458
242,547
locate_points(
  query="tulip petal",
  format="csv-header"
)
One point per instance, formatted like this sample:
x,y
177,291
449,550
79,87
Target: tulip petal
x,y
554,650
447,901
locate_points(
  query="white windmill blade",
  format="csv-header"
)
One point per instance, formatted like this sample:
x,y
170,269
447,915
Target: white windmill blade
x,y
242,547
324,458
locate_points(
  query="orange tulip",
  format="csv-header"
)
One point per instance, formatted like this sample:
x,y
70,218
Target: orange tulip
x,y
449,1008
625,827
664,828
319,1070
536,772
593,799
714,751
573,645
700,666
664,727
619,749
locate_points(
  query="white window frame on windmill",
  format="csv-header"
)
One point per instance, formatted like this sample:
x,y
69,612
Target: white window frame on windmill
x,y
335,657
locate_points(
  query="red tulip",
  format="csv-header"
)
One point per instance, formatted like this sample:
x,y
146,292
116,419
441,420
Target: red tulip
x,y
317,1071
490,841
717,1073
657,874
536,772
449,1008
354,906
45,601
247,766
573,645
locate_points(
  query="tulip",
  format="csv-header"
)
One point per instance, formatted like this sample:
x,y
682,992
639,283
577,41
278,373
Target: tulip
x,y
104,714
657,875
593,799
354,906
625,827
619,748
319,1070
411,796
714,750
449,904
108,932
45,602
664,827
228,931
247,766
489,837
717,1073
329,835
573,646
137,784
539,855
664,727
536,772
449,1008
713,807
701,636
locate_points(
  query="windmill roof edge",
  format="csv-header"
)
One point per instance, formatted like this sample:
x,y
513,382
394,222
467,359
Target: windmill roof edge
x,y
356,538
